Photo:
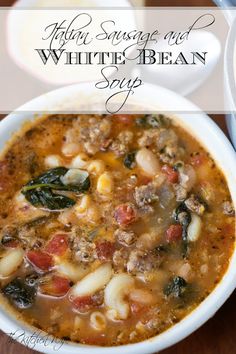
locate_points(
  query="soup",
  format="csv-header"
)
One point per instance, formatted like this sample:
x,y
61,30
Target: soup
x,y
113,228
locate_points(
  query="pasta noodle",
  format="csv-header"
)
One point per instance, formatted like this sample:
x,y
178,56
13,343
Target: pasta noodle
x,y
115,292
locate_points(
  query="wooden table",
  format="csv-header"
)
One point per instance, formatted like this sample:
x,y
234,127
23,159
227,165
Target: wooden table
x,y
218,335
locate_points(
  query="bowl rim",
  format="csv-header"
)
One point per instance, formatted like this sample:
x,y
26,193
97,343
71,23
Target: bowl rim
x,y
27,3
205,310
13,25
230,76
230,50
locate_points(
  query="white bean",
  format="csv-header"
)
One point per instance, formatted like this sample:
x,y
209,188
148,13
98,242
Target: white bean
x,y
70,149
11,261
83,205
148,241
204,269
96,166
148,162
185,271
87,211
53,161
74,176
79,161
194,228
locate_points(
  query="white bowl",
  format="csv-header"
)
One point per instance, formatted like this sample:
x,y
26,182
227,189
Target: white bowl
x,y
210,136
66,3
230,81
21,42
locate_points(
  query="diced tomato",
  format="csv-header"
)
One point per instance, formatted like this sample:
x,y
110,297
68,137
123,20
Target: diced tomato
x,y
83,303
58,245
105,250
56,286
61,285
171,175
174,233
124,118
198,160
125,214
40,260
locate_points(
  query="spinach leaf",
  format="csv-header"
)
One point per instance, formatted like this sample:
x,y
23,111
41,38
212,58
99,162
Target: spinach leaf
x,y
55,177
176,287
45,198
153,121
52,176
129,160
40,191
183,217
20,294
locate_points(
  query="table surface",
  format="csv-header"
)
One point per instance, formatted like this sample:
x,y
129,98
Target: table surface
x,y
217,336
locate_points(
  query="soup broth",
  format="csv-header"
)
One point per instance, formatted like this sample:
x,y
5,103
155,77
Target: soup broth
x,y
113,228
